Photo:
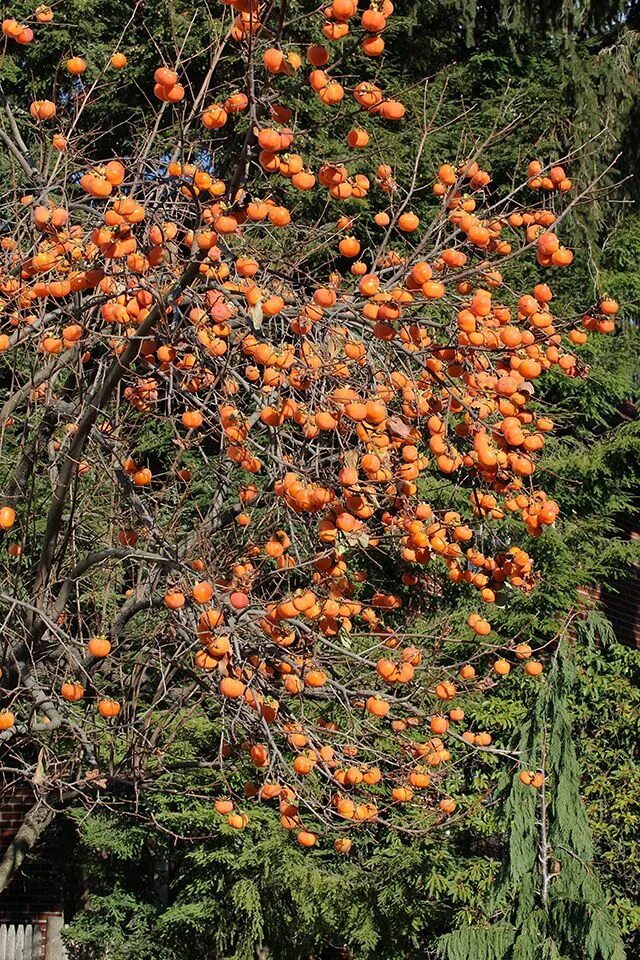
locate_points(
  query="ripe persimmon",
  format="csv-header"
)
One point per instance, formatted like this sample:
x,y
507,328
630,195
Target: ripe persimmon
x,y
306,839
108,708
7,720
99,647
377,707
7,517
232,688
76,66
72,691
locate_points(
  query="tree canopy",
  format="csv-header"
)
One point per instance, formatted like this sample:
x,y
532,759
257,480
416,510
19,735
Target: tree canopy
x,y
319,410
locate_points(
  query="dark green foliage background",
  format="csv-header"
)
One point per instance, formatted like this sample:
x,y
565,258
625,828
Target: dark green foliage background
x,y
569,72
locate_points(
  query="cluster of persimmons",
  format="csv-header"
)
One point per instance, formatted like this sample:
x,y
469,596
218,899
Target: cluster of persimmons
x,y
318,368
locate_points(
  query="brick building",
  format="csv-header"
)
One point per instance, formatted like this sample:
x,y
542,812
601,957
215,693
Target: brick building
x,y
34,897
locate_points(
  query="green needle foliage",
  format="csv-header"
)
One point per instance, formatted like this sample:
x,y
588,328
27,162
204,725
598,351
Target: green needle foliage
x,y
471,891
551,901
474,889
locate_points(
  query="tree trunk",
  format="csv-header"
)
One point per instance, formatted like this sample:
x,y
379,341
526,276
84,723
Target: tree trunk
x,y
33,826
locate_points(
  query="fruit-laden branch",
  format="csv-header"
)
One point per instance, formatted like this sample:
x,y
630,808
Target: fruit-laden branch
x,y
101,394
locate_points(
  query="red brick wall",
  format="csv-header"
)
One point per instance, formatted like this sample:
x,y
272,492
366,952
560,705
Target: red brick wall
x,y
32,896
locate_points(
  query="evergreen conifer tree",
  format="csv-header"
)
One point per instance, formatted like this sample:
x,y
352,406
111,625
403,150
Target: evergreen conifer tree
x,y
549,903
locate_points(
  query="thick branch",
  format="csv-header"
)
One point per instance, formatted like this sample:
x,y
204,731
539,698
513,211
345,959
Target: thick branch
x,y
35,823
101,393
31,172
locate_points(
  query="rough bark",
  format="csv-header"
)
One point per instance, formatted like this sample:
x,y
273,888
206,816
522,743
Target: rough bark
x,y
33,826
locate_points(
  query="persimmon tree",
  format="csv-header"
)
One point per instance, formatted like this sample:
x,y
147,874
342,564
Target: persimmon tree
x,y
260,404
